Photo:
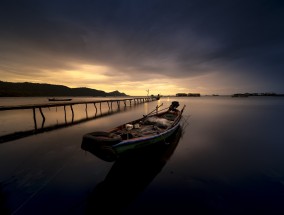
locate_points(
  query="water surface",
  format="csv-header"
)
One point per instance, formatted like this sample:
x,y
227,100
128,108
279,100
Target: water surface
x,y
228,160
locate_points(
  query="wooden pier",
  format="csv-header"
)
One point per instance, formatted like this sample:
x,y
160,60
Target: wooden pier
x,y
33,107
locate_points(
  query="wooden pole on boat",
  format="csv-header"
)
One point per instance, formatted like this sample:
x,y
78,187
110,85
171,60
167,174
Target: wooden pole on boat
x,y
152,111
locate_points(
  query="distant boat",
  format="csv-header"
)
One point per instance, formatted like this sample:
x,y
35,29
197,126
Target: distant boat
x,y
142,132
58,100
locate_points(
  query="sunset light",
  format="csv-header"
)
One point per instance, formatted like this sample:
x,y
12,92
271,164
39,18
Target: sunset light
x,y
141,107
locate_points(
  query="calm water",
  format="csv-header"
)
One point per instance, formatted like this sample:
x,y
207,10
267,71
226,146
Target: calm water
x,y
228,160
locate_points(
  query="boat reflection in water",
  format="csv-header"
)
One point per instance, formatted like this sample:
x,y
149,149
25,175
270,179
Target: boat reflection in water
x,y
130,175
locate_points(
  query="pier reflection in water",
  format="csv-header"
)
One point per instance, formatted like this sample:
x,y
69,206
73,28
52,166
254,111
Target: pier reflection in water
x,y
130,175
21,134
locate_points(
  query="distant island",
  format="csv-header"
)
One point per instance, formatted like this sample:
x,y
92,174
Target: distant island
x,y
188,94
233,95
26,89
255,94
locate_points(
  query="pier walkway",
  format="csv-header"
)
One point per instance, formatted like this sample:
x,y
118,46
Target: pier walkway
x,y
33,107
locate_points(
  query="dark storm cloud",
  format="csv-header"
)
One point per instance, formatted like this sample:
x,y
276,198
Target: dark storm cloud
x,y
174,38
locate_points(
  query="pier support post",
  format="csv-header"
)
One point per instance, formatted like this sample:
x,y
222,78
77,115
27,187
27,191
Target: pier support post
x,y
65,113
34,115
43,117
86,109
72,112
96,109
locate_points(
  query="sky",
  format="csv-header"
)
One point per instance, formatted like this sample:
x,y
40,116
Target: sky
x,y
166,46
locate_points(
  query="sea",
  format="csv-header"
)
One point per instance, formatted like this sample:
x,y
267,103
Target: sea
x,y
226,158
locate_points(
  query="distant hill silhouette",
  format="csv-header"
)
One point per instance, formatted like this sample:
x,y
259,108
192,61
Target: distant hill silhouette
x,y
36,89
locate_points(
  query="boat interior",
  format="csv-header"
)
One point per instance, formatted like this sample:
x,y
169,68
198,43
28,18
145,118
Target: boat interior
x,y
147,126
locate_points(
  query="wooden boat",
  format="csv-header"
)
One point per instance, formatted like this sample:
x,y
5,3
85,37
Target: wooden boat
x,y
58,100
152,128
130,175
